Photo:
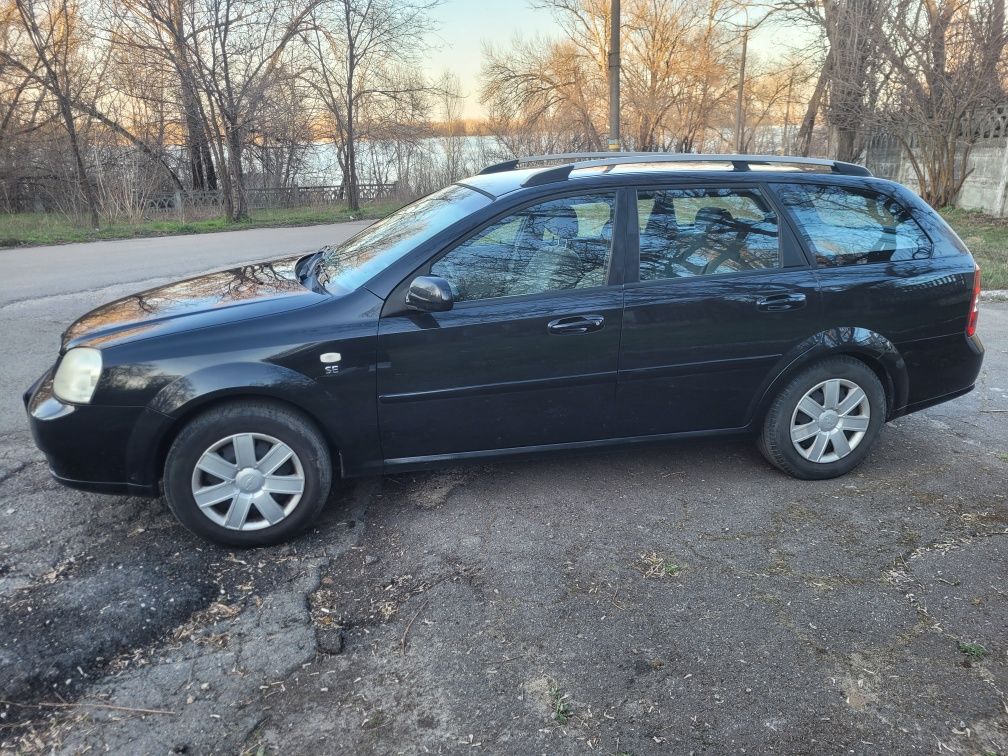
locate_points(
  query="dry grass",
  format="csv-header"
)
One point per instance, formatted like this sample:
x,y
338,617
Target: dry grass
x,y
987,238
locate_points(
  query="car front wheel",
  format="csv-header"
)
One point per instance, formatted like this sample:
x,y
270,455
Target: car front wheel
x,y
248,473
823,423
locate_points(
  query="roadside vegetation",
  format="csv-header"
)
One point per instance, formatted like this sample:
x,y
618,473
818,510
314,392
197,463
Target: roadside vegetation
x,y
985,235
987,238
111,107
30,229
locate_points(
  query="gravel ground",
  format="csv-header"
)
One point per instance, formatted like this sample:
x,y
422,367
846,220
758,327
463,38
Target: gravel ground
x,y
684,598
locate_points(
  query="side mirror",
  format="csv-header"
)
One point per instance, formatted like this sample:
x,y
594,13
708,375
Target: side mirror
x,y
430,294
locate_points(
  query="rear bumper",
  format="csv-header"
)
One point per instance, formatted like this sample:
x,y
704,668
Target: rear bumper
x,y
924,404
941,369
87,447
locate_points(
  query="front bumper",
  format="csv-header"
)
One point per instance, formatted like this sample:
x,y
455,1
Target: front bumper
x,y
88,447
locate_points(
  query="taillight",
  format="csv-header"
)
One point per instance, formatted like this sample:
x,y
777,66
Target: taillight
x,y
971,324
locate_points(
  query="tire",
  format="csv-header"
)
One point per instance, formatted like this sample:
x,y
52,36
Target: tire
x,y
820,436
260,503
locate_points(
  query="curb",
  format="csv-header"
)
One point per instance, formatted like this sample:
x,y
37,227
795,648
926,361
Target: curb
x,y
997,295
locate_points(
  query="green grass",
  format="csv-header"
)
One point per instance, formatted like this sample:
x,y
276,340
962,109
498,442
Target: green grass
x,y
28,229
987,238
561,709
973,650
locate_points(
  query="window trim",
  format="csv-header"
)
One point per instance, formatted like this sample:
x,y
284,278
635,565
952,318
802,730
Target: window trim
x,y
632,271
683,280
511,298
617,246
804,240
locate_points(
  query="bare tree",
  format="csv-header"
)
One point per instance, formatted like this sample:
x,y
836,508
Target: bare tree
x,y
680,71
772,93
537,86
946,57
849,74
22,110
677,72
452,128
52,28
152,35
361,50
235,48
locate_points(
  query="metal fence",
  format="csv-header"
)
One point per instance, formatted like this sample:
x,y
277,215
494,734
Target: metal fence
x,y
41,197
268,198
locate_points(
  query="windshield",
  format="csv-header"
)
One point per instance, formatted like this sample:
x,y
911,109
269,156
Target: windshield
x,y
350,264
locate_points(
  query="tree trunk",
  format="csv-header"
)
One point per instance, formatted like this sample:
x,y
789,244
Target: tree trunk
x,y
82,178
350,177
201,163
804,139
846,149
239,204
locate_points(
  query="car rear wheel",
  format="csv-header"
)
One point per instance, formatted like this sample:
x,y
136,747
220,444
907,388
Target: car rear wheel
x,y
248,473
823,423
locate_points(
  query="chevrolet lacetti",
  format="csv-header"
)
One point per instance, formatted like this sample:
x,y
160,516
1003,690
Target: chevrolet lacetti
x,y
555,302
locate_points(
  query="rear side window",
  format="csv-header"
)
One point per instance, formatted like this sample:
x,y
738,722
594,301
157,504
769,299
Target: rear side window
x,y
699,232
847,226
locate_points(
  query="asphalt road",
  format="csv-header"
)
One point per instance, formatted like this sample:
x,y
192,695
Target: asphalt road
x,y
679,599
44,289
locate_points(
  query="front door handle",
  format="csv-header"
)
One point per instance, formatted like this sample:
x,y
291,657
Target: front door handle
x,y
576,324
780,302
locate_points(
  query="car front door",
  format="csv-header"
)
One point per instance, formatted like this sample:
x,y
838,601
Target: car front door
x,y
527,356
717,292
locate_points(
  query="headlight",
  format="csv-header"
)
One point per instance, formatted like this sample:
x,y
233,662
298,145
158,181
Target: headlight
x,y
77,375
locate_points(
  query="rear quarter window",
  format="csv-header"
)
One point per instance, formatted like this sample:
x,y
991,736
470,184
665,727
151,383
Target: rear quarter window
x,y
849,226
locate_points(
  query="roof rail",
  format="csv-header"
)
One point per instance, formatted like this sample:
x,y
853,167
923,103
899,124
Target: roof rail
x,y
570,157
576,160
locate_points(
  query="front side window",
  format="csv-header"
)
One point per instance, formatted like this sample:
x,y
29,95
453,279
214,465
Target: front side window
x,y
697,232
350,264
847,226
564,243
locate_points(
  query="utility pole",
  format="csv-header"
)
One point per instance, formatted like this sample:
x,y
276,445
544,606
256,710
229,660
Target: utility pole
x,y
614,76
739,117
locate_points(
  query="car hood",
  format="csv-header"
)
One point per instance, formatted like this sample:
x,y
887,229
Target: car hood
x,y
238,294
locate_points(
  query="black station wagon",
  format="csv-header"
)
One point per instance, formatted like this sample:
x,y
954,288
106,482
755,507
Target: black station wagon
x,y
555,302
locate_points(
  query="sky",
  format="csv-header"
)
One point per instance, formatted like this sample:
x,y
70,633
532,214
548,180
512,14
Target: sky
x,y
464,25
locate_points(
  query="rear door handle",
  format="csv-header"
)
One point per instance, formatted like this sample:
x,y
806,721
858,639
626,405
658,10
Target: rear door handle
x,y
780,302
576,324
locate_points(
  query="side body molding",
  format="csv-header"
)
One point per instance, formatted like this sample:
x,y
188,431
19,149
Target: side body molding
x,y
875,349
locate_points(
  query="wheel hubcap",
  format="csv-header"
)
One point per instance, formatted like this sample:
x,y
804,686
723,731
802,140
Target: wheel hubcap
x,y
248,481
830,420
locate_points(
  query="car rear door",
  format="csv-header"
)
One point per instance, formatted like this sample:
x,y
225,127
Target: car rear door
x,y
528,354
884,267
717,292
